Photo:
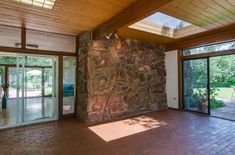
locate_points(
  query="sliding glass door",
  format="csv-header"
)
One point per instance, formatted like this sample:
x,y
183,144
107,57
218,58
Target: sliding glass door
x,y
196,85
28,91
36,87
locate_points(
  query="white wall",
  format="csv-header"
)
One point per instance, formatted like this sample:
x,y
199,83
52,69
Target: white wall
x,y
172,79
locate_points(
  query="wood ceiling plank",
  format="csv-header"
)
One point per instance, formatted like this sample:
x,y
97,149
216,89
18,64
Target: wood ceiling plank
x,y
232,2
198,8
193,13
68,16
223,13
227,5
175,11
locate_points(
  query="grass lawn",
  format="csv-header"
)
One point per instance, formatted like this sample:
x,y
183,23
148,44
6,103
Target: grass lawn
x,y
48,91
225,93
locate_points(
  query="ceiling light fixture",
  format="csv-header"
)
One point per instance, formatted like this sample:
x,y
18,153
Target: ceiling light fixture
x,y
47,4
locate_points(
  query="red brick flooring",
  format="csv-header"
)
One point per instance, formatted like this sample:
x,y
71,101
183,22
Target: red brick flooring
x,y
182,134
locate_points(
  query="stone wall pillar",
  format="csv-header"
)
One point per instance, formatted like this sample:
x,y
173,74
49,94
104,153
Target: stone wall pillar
x,y
119,78
82,93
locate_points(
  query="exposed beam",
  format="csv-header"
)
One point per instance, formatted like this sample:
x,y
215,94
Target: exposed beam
x,y
136,11
226,33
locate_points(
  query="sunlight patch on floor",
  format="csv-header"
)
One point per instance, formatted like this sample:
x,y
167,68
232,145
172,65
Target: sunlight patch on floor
x,y
119,129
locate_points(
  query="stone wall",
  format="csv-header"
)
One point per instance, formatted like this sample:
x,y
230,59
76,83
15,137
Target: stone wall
x,y
82,93
124,77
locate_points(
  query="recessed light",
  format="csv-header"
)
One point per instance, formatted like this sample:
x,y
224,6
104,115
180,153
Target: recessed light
x,y
47,4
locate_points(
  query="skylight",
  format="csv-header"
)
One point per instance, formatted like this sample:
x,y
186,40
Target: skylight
x,y
167,21
47,4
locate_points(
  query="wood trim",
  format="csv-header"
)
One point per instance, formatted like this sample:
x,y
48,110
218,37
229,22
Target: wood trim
x,y
223,34
130,15
77,45
180,80
68,116
211,54
61,70
12,65
34,51
23,37
6,80
76,88
60,87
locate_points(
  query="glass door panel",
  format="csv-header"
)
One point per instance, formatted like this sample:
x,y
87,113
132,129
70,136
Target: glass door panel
x,y
38,99
69,84
222,86
30,84
195,85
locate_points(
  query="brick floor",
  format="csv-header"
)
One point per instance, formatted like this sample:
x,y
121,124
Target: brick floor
x,y
183,133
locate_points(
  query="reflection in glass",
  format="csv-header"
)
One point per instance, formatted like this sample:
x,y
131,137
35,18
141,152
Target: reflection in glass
x,y
195,85
210,48
69,81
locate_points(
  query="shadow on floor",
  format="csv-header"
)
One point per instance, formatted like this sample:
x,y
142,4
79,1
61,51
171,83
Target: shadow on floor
x,y
180,133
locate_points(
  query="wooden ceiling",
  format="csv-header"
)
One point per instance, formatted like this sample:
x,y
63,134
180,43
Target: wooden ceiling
x,y
68,16
206,14
76,16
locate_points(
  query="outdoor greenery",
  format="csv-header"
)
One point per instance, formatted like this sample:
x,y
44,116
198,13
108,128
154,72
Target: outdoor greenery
x,y
33,75
210,48
216,104
31,61
222,77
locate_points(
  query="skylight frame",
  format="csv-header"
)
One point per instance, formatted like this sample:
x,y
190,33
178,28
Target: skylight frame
x,y
153,27
45,4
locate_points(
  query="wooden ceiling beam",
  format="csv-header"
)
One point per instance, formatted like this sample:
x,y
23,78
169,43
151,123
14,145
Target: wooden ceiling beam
x,y
136,11
223,34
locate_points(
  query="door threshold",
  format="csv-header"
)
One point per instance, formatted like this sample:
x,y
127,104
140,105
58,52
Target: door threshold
x,y
27,125
223,118
204,114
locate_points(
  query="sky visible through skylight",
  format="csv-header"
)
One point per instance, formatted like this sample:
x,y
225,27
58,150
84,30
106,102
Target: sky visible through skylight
x,y
167,21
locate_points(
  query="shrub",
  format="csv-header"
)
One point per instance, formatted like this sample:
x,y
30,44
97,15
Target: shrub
x,y
216,104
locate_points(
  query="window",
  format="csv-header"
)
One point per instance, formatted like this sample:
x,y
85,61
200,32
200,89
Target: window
x,y
69,84
167,21
162,24
47,4
210,48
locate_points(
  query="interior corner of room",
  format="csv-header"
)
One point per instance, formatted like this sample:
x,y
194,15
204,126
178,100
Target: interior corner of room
x,y
113,65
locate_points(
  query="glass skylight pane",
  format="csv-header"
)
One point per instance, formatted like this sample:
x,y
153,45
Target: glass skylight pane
x,y
47,4
167,21
27,1
40,1
38,4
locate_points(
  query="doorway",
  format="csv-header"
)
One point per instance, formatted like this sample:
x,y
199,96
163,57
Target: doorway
x,y
196,85
28,89
209,86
